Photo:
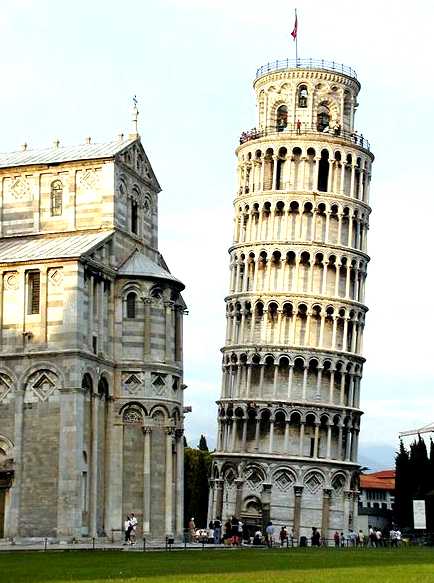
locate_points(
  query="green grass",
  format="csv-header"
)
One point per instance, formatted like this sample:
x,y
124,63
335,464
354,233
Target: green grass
x,y
412,565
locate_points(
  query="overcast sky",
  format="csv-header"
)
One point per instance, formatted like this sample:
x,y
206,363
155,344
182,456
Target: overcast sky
x,y
70,69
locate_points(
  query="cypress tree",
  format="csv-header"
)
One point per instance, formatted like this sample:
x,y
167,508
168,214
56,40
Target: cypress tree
x,y
403,489
203,446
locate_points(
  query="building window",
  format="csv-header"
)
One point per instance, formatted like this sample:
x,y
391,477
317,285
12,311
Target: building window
x,y
134,217
281,118
131,305
302,96
34,292
56,198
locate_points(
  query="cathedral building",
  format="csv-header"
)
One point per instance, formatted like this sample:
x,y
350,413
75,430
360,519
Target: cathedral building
x,y
91,377
289,412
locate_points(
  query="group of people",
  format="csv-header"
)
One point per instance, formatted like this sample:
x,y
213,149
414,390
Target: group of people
x,y
130,526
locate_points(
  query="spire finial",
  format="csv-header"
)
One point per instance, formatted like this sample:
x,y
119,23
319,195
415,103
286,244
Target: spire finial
x,y
135,115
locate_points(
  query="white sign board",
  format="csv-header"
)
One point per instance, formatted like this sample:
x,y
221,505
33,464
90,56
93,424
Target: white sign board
x,y
419,515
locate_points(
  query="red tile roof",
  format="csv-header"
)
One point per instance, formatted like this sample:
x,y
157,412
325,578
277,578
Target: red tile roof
x,y
384,480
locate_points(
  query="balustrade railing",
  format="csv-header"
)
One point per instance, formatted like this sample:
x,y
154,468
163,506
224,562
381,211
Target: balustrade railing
x,y
304,129
280,64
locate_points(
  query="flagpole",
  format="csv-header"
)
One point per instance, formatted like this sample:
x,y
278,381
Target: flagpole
x,y
296,40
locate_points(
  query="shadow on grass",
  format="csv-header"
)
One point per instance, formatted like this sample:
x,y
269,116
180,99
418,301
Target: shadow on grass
x,y
29,567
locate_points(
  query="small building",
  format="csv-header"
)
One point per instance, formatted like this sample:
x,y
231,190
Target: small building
x,y
376,501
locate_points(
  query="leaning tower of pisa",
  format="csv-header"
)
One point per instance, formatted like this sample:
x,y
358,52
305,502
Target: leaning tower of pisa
x,y
289,411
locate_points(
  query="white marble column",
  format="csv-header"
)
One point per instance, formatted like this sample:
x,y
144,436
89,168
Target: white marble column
x,y
169,483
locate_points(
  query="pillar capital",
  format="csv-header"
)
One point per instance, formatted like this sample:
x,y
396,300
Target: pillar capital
x,y
298,491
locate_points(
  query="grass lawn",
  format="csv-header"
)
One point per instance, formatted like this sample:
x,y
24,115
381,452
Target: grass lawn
x,y
412,565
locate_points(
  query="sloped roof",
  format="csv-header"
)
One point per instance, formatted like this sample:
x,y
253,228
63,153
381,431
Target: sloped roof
x,y
64,153
384,480
139,265
15,249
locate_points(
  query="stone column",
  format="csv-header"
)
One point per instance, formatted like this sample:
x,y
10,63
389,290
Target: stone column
x,y
115,494
147,329
210,514
249,379
304,382
290,374
340,456
91,312
239,482
318,383
244,437
12,528
286,437
327,493
301,439
219,498
276,373
93,493
233,433
270,445
298,492
332,384
147,481
316,441
258,423
178,334
266,504
168,483
329,441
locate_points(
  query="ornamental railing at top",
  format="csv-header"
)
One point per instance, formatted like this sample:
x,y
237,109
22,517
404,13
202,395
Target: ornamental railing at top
x,y
280,64
303,129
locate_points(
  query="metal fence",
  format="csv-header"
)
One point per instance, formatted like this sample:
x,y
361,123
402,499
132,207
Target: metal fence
x,y
280,64
169,543
305,129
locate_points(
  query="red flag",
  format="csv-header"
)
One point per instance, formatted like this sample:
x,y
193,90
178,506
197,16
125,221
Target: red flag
x,y
294,31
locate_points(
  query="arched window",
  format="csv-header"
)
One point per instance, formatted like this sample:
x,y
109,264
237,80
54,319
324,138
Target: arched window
x,y
56,200
302,96
323,118
131,305
134,216
281,118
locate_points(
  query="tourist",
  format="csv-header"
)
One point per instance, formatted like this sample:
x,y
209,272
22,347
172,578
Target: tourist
x,y
217,531
257,539
191,529
337,539
316,537
379,537
342,538
240,532
283,536
133,522
211,533
246,534
127,529
227,534
372,537
361,539
398,537
298,126
234,530
269,534
352,538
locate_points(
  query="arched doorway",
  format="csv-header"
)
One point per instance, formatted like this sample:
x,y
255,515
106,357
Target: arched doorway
x,y
251,514
6,475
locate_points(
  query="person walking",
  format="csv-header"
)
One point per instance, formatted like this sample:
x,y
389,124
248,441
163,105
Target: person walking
x,y
283,536
217,531
315,539
269,534
191,529
337,539
127,530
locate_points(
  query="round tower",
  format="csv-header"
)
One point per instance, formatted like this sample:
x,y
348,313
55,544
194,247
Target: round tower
x,y
289,412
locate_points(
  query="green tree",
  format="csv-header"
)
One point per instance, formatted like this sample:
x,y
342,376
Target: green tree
x,y
403,512
197,465
203,446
